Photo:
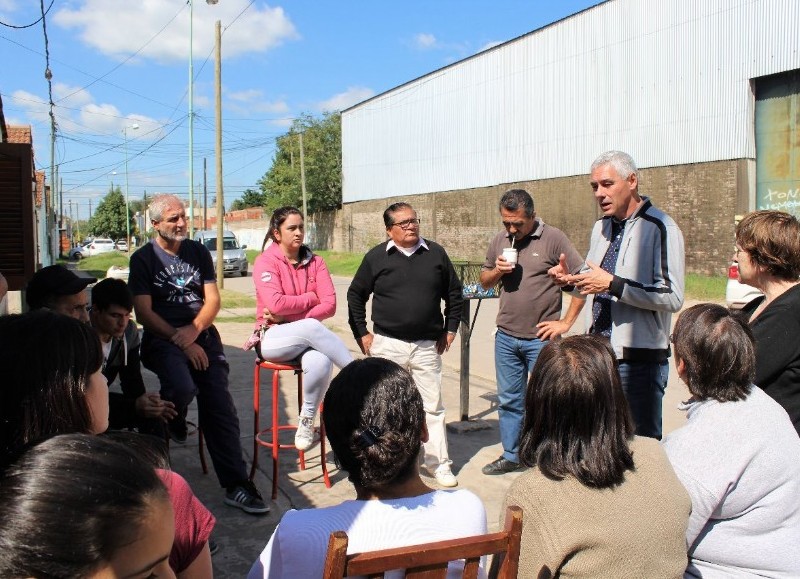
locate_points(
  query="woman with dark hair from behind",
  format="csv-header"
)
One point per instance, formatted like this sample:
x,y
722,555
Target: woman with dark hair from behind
x,y
768,254
294,293
78,505
57,387
376,425
597,501
52,380
738,454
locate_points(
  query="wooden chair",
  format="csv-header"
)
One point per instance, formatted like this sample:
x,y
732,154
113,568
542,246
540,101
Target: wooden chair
x,y
430,560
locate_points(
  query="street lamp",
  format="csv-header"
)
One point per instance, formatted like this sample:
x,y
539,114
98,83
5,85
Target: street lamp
x,y
133,127
191,115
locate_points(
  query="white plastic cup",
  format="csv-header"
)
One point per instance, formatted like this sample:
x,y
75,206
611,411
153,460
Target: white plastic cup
x,y
510,255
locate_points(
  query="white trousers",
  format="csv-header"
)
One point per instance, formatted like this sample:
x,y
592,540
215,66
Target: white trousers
x,y
317,348
424,363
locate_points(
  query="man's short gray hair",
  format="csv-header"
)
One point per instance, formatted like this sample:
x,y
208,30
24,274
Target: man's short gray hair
x,y
622,162
160,203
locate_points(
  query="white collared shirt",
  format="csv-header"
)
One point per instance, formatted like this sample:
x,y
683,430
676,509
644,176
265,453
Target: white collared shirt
x,y
407,251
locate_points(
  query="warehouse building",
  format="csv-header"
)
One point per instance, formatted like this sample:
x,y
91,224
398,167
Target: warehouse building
x,y
704,94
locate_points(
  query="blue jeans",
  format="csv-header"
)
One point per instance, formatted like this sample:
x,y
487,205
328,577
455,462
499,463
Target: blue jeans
x,y
180,383
644,384
513,360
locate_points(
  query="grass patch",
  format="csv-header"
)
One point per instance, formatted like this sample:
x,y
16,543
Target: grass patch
x,y
250,320
234,299
338,262
97,265
341,263
705,287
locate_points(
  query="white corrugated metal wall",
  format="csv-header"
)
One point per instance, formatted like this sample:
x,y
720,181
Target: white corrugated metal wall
x,y
666,80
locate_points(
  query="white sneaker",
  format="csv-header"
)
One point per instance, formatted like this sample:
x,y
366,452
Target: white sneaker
x,y
304,437
444,476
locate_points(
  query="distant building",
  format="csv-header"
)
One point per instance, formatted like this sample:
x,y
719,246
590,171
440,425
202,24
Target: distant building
x,y
699,92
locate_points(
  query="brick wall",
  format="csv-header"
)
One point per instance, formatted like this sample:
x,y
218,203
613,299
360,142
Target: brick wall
x,y
702,198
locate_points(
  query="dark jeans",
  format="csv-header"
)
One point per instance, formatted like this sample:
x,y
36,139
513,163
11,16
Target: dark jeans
x,y
644,384
180,383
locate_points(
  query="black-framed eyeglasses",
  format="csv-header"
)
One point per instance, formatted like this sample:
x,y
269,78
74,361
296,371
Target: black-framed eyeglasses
x,y
408,223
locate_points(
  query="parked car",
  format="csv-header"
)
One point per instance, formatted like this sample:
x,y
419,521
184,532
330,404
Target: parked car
x,y
235,259
101,245
738,294
122,245
77,253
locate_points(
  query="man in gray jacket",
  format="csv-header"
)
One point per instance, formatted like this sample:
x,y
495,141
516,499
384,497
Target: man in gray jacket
x,y
634,275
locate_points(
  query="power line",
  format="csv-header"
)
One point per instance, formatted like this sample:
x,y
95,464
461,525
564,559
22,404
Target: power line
x,y
38,20
126,60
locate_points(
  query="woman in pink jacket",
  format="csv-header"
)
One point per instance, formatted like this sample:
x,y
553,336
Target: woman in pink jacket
x,y
295,292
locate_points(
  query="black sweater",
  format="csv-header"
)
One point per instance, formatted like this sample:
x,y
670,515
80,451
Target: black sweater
x,y
406,294
777,334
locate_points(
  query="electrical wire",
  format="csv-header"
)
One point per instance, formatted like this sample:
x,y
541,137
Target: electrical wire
x,y
38,20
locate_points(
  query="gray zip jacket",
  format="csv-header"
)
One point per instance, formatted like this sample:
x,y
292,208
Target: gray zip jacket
x,y
648,282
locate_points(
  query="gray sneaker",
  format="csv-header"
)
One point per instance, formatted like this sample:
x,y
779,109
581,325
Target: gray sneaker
x,y
245,496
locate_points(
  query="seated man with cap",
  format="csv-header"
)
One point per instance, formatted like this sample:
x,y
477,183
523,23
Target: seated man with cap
x,y
58,289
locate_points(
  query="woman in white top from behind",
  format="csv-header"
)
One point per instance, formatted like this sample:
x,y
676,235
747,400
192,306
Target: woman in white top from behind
x,y
376,424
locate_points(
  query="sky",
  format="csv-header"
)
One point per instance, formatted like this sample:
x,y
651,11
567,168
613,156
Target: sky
x,y
116,64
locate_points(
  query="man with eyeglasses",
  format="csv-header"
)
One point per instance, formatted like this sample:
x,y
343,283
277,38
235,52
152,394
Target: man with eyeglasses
x,y
110,316
529,312
408,278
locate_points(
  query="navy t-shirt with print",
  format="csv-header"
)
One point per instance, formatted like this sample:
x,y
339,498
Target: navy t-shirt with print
x,y
174,282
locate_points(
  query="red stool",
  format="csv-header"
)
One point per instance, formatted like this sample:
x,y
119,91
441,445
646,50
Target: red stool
x,y
269,437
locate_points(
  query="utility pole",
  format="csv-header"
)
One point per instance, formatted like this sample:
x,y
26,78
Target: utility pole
x,y
218,148
61,224
205,194
303,178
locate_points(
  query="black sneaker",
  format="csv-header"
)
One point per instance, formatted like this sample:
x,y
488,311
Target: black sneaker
x,y
245,496
178,430
212,546
501,466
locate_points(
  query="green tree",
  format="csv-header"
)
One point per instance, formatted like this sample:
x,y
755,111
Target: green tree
x,y
108,220
250,198
322,155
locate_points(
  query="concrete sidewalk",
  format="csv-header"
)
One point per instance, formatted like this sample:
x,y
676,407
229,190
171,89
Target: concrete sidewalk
x,y
241,537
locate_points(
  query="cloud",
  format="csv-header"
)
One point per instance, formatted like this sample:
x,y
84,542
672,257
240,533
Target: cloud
x,y
246,96
70,96
424,41
343,100
160,30
9,6
283,123
253,101
78,113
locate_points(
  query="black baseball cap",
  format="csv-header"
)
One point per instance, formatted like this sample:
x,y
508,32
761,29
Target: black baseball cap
x,y
54,281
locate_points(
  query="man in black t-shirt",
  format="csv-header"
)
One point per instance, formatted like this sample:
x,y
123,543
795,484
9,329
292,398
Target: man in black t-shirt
x,y
176,300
